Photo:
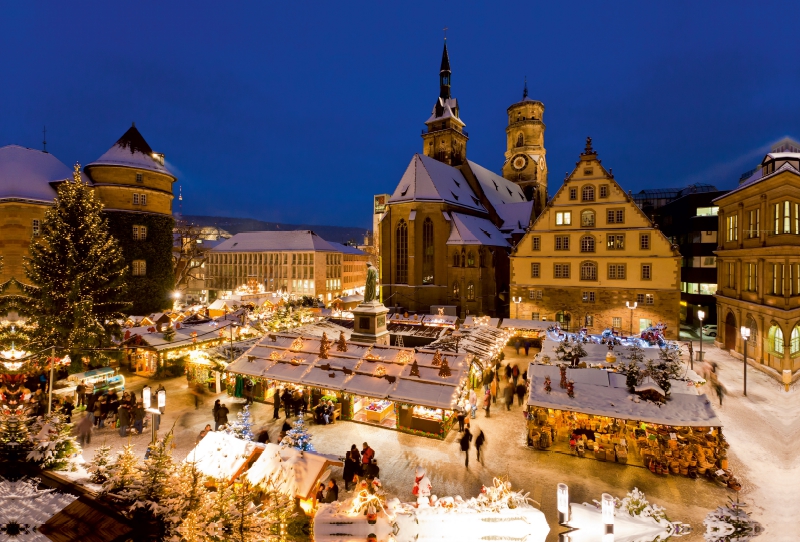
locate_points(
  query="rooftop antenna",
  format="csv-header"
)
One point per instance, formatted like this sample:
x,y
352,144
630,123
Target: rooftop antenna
x,y
445,33
525,90
44,139
180,199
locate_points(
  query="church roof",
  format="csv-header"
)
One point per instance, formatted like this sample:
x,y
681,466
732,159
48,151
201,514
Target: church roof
x,y
427,179
498,190
444,108
473,230
516,216
131,150
271,241
27,174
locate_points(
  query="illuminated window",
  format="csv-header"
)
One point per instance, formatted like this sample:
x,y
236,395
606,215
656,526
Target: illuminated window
x,y
587,219
456,289
787,217
615,242
755,223
470,292
616,321
427,252
776,340
563,218
470,259
401,252
794,344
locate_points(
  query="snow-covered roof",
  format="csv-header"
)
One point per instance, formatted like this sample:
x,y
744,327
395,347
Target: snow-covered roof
x,y
27,173
447,108
758,176
220,455
272,241
290,471
183,336
518,323
516,216
498,190
473,230
427,179
598,394
131,150
347,249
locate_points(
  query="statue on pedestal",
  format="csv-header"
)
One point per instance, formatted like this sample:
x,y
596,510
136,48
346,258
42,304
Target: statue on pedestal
x,y
371,288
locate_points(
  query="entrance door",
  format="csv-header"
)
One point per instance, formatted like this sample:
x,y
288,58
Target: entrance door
x,y
730,332
563,320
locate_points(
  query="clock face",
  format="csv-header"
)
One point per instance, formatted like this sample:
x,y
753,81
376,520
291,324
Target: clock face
x,y
519,162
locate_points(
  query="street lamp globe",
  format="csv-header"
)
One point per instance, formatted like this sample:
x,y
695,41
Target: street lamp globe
x,y
745,331
146,396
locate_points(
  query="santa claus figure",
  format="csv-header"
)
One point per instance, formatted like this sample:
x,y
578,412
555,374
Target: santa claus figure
x,y
422,486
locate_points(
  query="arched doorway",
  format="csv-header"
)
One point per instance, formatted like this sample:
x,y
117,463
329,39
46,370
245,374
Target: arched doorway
x,y
730,332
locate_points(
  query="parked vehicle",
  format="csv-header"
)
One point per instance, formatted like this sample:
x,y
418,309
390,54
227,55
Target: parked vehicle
x,y
710,330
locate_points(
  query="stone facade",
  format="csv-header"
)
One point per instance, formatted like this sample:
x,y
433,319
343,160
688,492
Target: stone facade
x,y
590,252
16,231
525,153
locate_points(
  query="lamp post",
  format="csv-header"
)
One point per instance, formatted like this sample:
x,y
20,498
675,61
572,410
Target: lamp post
x,y
745,331
457,335
632,308
562,494
155,413
700,316
608,517
517,301
146,398
176,295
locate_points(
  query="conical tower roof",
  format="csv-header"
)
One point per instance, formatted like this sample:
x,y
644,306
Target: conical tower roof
x,y
445,67
131,150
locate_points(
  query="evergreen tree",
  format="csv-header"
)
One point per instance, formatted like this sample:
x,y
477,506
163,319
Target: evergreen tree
x,y
242,427
234,516
298,437
99,468
53,445
183,507
124,474
76,273
152,491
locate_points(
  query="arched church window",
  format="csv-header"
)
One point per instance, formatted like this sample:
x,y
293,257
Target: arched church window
x,y
470,259
456,289
401,252
482,258
427,251
456,259
471,292
463,258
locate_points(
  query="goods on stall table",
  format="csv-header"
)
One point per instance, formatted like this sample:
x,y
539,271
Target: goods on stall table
x,y
377,411
428,413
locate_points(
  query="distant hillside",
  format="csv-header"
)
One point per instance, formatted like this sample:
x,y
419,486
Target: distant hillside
x,y
338,234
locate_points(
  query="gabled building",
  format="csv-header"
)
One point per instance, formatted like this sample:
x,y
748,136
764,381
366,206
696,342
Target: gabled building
x,y
446,230
591,255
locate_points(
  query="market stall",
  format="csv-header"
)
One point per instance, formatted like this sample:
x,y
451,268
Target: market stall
x,y
204,370
591,412
222,456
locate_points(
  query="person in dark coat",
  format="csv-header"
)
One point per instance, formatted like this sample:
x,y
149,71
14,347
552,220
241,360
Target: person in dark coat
x,y
214,413
521,389
320,497
286,399
372,470
357,456
487,402
527,347
332,495
517,344
480,440
508,372
350,470
466,438
138,417
221,417
514,374
68,408
81,391
508,395
461,413
263,436
124,419
276,405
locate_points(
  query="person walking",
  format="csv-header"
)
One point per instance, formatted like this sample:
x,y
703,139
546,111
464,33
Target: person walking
x,y
221,418
493,389
517,344
85,431
508,372
124,419
521,389
276,405
461,413
351,467
515,372
508,395
527,347
480,440
138,417
466,438
103,406
248,391
487,402
286,399
81,391
90,401
296,398
214,413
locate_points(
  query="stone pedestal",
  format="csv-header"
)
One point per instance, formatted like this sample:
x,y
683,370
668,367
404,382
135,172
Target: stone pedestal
x,y
370,323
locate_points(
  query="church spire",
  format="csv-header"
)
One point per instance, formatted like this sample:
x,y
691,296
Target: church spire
x,y
444,74
525,90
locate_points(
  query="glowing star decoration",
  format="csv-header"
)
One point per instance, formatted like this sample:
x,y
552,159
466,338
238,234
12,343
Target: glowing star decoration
x,y
297,345
380,371
404,356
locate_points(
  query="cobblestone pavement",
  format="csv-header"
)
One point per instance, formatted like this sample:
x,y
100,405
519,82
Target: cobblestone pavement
x,y
506,453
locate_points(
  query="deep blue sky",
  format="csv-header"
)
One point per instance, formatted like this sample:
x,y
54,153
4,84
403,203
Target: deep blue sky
x,y
301,111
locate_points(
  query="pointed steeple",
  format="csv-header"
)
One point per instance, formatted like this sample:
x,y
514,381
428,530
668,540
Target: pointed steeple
x,y
444,74
525,90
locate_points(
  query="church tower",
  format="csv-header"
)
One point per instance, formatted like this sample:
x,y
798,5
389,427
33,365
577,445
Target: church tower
x,y
525,155
445,140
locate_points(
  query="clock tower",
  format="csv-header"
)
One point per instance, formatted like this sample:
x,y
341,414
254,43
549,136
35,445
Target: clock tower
x,y
525,155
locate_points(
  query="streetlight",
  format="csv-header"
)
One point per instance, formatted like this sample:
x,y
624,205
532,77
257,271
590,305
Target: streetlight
x,y
632,308
146,400
562,494
745,331
517,301
155,413
700,316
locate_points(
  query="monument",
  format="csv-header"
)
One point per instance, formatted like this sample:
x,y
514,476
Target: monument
x,y
369,317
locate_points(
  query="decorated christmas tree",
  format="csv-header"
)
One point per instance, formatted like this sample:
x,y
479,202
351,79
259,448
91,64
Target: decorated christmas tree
x,y
182,507
99,468
153,488
76,273
53,445
124,474
298,437
242,427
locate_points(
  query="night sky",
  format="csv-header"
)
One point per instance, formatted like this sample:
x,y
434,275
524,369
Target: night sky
x,y
299,112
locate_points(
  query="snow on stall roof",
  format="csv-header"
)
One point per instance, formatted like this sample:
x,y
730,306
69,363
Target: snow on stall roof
x,y
370,386
518,323
294,471
27,174
473,230
681,410
271,241
423,393
221,455
427,179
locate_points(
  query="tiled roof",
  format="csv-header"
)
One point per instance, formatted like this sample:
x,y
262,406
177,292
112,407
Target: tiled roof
x,y
269,241
427,179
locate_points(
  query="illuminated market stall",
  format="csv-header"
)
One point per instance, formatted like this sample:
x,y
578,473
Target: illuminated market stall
x,y
388,386
591,412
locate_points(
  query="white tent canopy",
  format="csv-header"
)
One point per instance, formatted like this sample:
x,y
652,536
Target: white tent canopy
x,y
221,456
291,471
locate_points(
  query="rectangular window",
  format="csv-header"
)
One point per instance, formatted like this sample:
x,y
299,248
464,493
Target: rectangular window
x,y
534,294
535,316
755,224
615,242
777,279
562,242
797,218
143,199
731,275
589,320
563,218
649,299
139,268
615,216
644,241
640,298
787,217
136,233
588,297
776,216
136,199
534,270
752,277
603,190
573,193
537,243
733,227
35,225
616,321
561,270
139,178
647,271
707,211
616,271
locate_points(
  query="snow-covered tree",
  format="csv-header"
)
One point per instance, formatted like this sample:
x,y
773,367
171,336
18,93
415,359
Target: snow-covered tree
x,y
124,474
243,426
182,507
53,445
76,276
298,437
99,468
730,523
569,349
150,493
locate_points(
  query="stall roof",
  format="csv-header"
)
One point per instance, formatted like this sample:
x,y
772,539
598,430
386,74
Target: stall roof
x,y
302,470
594,397
517,323
221,456
418,392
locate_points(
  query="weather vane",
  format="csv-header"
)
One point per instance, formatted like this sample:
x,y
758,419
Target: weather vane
x,y
445,32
